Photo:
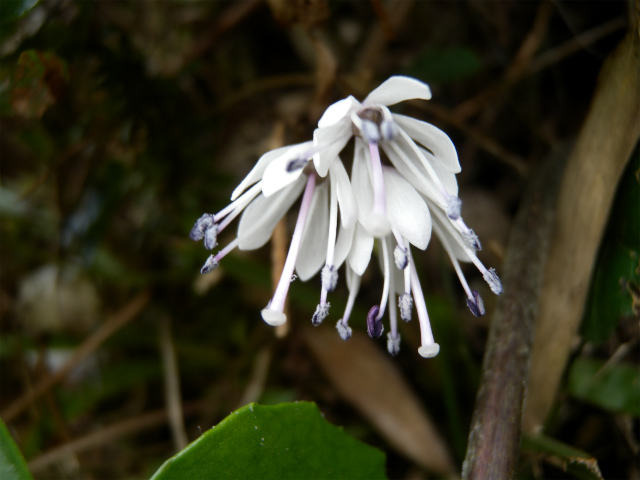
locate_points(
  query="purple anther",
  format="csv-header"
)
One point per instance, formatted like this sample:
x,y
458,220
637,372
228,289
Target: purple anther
x,y
374,324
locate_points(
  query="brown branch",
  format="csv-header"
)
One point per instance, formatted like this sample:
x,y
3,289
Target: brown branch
x,y
601,152
112,325
494,438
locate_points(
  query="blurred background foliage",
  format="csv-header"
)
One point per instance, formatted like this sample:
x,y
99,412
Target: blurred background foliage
x,y
122,122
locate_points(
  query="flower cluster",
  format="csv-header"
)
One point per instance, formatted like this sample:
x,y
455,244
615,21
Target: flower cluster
x,y
396,204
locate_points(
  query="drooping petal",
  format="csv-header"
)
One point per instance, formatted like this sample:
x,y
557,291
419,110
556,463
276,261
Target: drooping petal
x,y
263,214
410,167
407,210
432,138
376,224
313,247
277,175
346,200
361,248
338,111
398,89
258,170
330,141
343,245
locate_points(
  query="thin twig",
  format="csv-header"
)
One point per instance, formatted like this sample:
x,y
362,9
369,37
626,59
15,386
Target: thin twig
x,y
575,45
109,434
476,136
172,394
494,438
112,325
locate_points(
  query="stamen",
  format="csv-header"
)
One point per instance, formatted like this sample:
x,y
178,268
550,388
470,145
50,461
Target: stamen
x,y
454,206
405,303
234,209
374,324
322,312
393,337
343,324
400,257
211,237
369,131
429,348
476,304
344,330
274,311
393,344
387,277
380,203
296,164
201,226
210,265
491,277
388,130
472,239
329,276
240,202
425,163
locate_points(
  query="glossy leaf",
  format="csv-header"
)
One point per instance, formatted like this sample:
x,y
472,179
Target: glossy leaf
x,y
12,465
290,440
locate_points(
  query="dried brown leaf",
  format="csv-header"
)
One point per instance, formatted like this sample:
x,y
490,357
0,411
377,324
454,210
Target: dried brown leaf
x,y
371,381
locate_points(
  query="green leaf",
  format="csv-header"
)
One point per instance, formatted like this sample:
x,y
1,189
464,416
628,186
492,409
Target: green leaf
x,y
11,10
570,459
290,440
617,273
612,387
12,465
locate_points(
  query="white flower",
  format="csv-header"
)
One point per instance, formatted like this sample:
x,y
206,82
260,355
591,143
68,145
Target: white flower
x,y
394,203
264,197
395,206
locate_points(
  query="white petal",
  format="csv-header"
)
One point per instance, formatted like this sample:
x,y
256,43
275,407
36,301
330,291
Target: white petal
x,y
406,209
447,177
361,181
343,245
398,89
313,246
330,141
361,248
410,167
258,170
263,214
338,111
276,176
353,279
346,200
433,138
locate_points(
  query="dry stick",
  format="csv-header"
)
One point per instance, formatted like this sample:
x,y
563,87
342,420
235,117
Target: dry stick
x,y
494,438
172,385
483,141
109,434
602,149
552,56
112,325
